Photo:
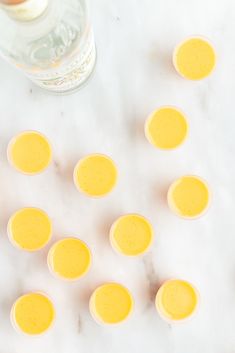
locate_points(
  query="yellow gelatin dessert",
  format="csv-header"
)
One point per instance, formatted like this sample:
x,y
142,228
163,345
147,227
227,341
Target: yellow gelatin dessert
x,y
33,313
69,258
30,152
95,175
131,235
166,128
195,58
189,196
30,229
176,300
111,303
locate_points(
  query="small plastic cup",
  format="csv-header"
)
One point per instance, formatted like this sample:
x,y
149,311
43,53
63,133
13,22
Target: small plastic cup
x,y
33,314
69,259
166,128
95,175
111,304
194,58
131,235
29,152
189,197
177,301
29,229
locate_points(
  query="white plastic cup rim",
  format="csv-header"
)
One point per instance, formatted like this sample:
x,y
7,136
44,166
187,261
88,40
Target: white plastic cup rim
x,y
58,276
78,165
11,142
14,243
150,116
16,326
180,321
175,51
96,317
113,243
173,209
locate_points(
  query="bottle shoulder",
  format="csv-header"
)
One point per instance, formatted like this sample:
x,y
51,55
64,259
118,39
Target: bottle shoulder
x,y
41,43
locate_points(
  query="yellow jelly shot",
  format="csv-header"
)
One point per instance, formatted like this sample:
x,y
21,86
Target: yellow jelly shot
x,y
176,300
69,259
189,196
166,128
195,58
33,313
131,235
95,175
29,152
111,304
30,229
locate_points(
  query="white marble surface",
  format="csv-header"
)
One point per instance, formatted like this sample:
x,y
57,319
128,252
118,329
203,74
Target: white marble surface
x,y
134,75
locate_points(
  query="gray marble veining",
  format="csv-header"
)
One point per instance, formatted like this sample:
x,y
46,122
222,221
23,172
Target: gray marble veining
x,y
134,75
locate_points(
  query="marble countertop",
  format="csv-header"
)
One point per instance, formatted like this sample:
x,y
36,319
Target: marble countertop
x,y
134,75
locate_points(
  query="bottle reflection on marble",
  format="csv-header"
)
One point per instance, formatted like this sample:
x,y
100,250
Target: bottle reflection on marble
x,y
50,40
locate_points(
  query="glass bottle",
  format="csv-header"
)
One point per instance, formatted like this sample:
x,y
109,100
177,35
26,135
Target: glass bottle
x,y
51,41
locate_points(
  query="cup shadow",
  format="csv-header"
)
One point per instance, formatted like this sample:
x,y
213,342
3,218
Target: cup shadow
x,y
138,129
4,218
7,303
65,173
164,60
103,229
160,194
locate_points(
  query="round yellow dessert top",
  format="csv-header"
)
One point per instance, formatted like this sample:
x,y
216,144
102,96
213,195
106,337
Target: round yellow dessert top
x,y
69,258
30,152
176,300
33,313
166,128
131,235
30,229
111,303
189,196
195,58
95,175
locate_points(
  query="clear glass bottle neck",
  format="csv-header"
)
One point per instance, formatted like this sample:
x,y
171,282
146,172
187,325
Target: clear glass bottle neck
x,y
24,10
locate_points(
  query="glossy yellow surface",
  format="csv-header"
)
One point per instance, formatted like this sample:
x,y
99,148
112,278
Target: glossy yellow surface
x,y
69,258
166,128
131,235
189,196
176,300
95,175
30,229
30,152
195,58
33,313
111,303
